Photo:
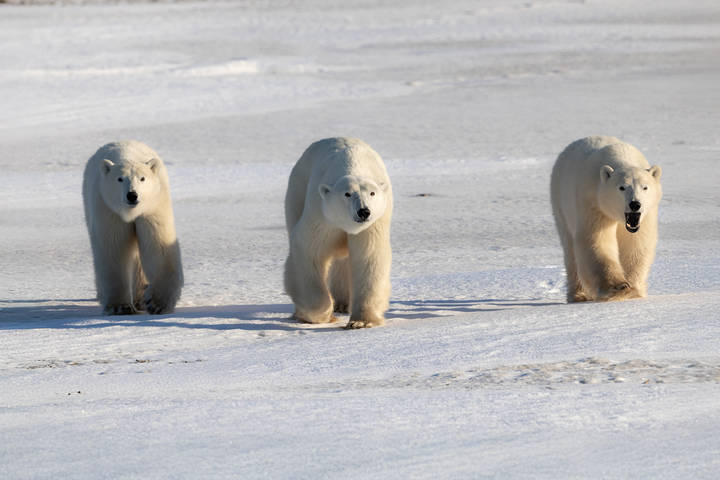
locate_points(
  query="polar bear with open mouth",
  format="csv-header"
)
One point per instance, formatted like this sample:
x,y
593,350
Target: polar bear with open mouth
x,y
605,198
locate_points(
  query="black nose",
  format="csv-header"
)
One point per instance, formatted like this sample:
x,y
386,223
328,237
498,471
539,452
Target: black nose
x,y
363,213
132,197
634,205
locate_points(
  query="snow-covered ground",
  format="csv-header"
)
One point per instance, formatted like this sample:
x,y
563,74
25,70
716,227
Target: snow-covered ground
x,y
482,369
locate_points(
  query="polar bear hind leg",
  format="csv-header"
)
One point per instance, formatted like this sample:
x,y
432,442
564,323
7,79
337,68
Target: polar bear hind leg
x,y
140,284
339,282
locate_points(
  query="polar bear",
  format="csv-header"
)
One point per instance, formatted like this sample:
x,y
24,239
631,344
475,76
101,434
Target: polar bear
x,y
337,211
605,198
129,216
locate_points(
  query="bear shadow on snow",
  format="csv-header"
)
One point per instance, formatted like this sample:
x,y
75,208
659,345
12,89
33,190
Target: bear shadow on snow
x,y
431,308
51,313
72,316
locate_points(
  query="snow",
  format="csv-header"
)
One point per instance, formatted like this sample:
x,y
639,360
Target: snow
x,y
482,369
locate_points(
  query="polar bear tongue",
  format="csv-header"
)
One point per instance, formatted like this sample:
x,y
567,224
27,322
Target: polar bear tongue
x,y
632,221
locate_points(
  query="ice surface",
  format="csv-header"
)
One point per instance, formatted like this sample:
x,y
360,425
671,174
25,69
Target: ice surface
x,y
482,369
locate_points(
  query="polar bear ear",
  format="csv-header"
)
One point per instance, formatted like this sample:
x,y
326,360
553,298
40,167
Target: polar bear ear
x,y
606,172
655,171
106,165
153,164
383,186
324,189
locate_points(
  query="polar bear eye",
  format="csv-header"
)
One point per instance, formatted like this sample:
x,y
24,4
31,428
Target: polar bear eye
x,y
622,189
347,194
645,187
142,179
372,194
119,179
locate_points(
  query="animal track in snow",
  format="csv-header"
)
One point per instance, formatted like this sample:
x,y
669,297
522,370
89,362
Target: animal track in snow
x,y
589,371
580,372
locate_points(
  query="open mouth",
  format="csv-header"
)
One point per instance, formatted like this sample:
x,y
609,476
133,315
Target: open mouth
x,y
632,221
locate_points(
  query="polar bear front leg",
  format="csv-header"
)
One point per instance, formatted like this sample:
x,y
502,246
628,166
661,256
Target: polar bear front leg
x,y
370,260
599,266
637,252
161,262
114,250
306,270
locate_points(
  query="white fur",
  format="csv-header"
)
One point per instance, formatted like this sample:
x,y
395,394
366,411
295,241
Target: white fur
x,y
594,182
135,249
337,261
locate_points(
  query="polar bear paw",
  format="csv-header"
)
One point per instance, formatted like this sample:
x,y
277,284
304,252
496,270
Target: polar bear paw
x,y
620,291
580,297
156,305
119,309
355,324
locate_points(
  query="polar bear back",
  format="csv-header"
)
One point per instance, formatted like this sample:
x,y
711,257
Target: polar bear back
x,y
324,162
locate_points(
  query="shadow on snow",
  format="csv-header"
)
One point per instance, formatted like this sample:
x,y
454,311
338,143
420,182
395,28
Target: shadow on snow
x,y
443,308
86,314
74,315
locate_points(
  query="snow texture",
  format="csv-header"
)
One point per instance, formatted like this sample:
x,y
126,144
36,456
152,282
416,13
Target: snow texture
x,y
482,369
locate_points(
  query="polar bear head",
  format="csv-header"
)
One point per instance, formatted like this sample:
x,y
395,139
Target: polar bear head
x,y
129,188
353,203
627,194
